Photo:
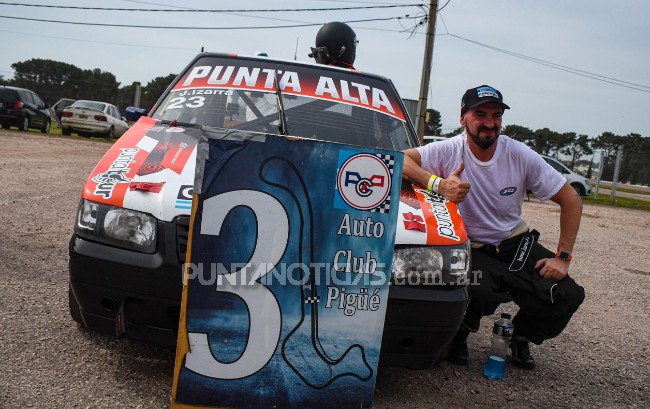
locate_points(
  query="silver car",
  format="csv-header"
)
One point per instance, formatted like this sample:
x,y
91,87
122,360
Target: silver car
x,y
89,118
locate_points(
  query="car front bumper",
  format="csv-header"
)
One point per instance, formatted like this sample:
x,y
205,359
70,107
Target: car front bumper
x,y
143,291
420,323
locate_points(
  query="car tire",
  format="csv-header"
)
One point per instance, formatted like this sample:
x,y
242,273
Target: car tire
x,y
46,127
110,134
24,124
66,131
75,310
578,188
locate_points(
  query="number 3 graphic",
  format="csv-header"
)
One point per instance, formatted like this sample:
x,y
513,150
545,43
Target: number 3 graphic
x,y
263,308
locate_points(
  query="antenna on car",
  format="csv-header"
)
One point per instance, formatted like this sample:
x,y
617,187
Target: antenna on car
x,y
295,54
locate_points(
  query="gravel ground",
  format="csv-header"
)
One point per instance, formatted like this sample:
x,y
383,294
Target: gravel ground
x,y
602,359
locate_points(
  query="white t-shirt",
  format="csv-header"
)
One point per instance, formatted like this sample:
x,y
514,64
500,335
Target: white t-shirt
x,y
492,208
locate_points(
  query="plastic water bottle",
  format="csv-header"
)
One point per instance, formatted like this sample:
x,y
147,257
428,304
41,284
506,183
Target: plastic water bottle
x,y
501,335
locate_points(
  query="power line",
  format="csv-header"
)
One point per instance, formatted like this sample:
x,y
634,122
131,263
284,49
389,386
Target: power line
x,y
198,28
140,45
575,71
556,66
440,9
225,11
209,10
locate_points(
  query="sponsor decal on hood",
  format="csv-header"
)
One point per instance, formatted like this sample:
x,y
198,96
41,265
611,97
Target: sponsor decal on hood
x,y
140,162
428,219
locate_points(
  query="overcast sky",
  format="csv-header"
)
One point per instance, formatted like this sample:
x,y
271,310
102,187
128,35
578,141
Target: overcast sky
x,y
606,39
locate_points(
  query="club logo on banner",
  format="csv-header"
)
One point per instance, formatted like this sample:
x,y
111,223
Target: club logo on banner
x,y
285,298
364,181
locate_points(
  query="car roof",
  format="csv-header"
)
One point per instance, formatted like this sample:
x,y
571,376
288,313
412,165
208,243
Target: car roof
x,y
92,100
291,62
14,88
76,103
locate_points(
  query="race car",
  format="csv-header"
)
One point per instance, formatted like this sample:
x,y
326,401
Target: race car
x,y
131,233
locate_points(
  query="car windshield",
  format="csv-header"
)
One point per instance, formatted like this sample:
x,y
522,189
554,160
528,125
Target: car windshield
x,y
319,103
90,105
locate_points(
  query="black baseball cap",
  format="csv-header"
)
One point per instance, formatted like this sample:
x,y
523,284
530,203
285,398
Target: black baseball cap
x,y
476,96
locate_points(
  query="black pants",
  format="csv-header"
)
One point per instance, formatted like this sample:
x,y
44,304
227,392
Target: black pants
x,y
507,273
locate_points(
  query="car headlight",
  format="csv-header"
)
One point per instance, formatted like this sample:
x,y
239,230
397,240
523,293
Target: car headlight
x,y
116,226
440,265
588,182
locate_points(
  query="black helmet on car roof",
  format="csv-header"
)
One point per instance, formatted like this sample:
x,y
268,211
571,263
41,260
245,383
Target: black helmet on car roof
x,y
336,44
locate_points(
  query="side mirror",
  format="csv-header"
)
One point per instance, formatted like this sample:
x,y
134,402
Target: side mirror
x,y
133,113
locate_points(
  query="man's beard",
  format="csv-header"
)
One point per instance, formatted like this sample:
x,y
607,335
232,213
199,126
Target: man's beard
x,y
481,142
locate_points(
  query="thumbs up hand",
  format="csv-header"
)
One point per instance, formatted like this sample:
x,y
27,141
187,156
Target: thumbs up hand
x,y
453,188
458,170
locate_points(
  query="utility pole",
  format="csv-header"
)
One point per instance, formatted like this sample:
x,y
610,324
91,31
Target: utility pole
x,y
600,172
426,69
617,167
138,91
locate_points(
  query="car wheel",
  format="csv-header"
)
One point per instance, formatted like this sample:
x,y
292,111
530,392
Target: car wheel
x,y
66,131
110,134
578,188
24,124
75,310
46,127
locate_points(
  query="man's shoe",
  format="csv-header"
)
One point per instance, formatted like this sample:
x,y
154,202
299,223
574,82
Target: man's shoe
x,y
521,354
458,353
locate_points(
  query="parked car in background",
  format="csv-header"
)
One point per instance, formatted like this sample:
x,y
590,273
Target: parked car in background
x,y
89,118
581,184
24,109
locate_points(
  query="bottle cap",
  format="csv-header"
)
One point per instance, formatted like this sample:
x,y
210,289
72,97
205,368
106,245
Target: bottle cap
x,y
505,315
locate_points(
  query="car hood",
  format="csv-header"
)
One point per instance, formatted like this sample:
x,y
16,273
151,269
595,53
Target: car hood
x,y
151,169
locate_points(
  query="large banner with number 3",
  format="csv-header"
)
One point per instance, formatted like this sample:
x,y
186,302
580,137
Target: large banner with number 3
x,y
286,282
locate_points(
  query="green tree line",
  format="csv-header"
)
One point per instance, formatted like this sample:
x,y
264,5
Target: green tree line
x,y
53,80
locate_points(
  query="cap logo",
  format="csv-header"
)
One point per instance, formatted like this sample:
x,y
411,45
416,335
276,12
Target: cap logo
x,y
487,92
